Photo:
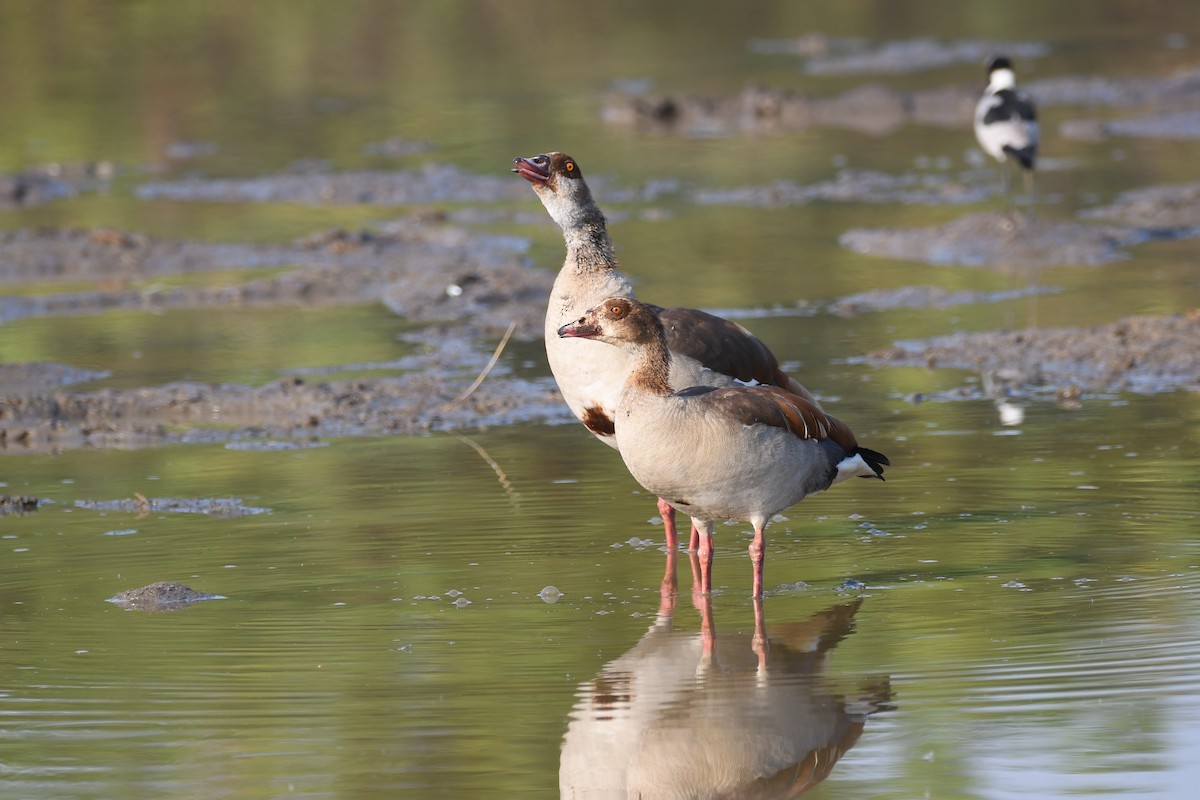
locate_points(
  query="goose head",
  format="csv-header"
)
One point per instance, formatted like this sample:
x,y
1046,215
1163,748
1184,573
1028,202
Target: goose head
x,y
559,184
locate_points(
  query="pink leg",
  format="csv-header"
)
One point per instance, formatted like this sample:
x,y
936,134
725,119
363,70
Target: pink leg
x,y
694,538
669,530
757,551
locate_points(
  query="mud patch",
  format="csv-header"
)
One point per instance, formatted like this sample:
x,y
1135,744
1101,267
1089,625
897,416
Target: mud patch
x,y
41,376
1181,88
877,109
1167,125
999,240
917,55
1139,354
161,596
872,109
273,445
216,507
431,184
926,297
290,409
1156,208
863,186
426,271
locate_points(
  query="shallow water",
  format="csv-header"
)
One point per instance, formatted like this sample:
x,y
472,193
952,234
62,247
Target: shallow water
x,y
1013,613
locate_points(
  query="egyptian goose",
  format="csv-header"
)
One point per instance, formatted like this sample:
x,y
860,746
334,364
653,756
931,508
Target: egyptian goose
x,y
739,452
707,349
1006,122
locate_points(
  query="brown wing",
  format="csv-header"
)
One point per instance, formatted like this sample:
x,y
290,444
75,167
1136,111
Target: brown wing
x,y
725,347
770,405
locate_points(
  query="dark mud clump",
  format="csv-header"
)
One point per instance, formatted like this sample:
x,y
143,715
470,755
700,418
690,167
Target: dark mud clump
x,y
1139,354
926,297
161,596
1165,208
214,506
18,505
998,240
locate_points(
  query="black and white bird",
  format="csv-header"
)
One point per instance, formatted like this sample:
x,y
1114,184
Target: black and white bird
x,y
1006,122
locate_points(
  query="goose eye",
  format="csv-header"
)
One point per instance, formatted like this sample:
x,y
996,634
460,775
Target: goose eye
x,y
616,311
569,166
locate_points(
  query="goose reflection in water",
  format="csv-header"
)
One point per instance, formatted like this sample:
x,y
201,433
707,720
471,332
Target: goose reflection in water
x,y
701,716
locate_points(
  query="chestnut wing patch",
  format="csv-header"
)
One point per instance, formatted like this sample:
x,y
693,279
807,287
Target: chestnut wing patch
x,y
719,345
770,405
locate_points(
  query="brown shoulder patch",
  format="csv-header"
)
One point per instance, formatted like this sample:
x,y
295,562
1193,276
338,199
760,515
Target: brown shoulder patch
x,y
599,423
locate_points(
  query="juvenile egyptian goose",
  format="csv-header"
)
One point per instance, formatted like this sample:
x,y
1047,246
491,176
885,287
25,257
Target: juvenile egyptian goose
x,y
1006,122
707,349
741,452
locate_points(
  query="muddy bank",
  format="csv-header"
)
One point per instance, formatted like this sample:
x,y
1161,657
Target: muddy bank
x,y
431,183
1165,208
873,109
862,186
1004,240
213,506
878,109
1139,354
427,271
926,297
287,409
837,56
466,288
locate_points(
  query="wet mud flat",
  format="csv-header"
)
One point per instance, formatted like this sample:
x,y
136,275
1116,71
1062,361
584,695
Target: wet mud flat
x,y
465,288
1144,354
1002,240
878,109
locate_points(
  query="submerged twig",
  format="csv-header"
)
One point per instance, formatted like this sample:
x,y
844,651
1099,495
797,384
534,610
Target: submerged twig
x,y
495,357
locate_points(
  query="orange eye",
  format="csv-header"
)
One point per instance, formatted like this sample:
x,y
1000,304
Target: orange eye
x,y
570,166
616,310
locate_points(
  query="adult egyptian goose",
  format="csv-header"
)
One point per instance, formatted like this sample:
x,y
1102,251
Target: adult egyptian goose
x,y
741,452
707,349
1006,122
